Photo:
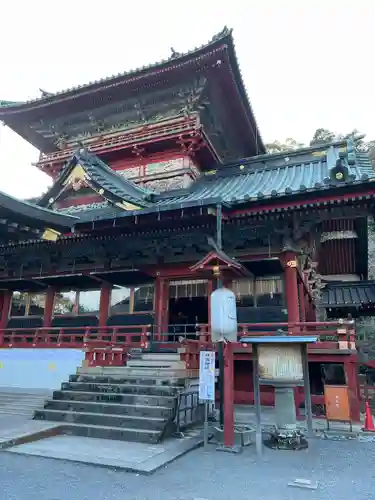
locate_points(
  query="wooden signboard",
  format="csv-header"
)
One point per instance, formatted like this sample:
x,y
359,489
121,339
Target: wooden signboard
x,y
336,399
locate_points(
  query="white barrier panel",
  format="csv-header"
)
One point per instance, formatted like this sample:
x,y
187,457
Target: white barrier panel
x,y
38,368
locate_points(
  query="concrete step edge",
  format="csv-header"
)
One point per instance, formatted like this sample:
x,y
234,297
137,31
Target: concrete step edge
x,y
122,405
132,417
106,427
106,394
159,357
126,385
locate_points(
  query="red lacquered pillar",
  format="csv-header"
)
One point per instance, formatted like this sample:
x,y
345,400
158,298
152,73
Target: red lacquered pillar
x,y
302,301
6,303
48,307
351,375
291,286
228,395
105,298
159,307
292,302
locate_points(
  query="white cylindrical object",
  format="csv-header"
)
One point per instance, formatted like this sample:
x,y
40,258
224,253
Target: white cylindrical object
x,y
223,315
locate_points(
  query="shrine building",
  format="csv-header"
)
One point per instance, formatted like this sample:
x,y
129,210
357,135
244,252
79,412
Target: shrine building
x,y
161,186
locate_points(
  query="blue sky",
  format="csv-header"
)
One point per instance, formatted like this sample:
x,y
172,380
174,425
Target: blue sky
x,y
306,64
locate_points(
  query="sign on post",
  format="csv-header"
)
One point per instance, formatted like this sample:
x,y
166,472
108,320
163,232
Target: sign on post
x,y
207,376
206,384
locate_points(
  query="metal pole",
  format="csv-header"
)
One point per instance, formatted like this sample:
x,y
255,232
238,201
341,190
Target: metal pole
x,y
219,226
306,383
220,350
205,429
258,431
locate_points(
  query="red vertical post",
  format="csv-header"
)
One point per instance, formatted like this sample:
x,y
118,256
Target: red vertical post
x,y
302,301
48,307
351,376
210,287
7,301
228,395
159,307
291,287
292,302
105,299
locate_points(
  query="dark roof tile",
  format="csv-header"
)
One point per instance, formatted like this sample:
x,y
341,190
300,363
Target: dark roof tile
x,y
349,294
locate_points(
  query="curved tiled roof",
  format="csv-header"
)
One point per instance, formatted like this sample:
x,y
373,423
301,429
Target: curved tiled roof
x,y
349,294
276,175
271,176
28,215
114,187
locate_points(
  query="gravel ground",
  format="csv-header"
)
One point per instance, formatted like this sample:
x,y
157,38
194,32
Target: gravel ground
x,y
343,469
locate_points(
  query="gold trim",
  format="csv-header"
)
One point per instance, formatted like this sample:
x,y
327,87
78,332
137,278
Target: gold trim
x,y
125,205
77,174
50,235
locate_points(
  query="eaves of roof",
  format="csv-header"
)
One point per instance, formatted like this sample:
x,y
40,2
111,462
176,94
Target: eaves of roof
x,y
104,179
34,215
349,294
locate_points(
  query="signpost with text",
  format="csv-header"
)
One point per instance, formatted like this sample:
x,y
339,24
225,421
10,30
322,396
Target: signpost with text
x,y
206,384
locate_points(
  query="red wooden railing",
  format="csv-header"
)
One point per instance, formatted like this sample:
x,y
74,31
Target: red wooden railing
x,y
76,337
331,334
111,345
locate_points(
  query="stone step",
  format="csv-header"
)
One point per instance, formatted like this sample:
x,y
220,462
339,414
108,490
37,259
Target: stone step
x,y
160,357
153,372
167,390
141,399
128,421
163,412
156,364
116,433
128,379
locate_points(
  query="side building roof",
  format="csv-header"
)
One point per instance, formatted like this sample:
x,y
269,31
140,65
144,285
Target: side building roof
x,y
267,179
277,175
264,180
22,220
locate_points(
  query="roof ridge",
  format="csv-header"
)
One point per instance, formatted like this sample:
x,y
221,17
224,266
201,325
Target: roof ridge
x,y
285,154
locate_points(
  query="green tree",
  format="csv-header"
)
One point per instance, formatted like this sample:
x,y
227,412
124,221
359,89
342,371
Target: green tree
x,y
288,145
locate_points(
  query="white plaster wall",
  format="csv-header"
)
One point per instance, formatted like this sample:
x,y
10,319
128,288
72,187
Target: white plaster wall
x,y
38,368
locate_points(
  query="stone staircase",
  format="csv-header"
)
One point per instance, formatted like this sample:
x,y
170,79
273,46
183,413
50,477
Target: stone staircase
x,y
136,402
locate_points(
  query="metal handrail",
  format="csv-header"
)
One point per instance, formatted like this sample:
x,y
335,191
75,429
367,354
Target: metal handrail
x,y
186,410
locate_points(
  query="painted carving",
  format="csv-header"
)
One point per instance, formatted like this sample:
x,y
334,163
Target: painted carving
x,y
83,208
159,175
166,184
77,179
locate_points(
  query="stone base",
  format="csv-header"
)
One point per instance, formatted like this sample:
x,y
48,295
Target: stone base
x,y
229,449
289,440
242,436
